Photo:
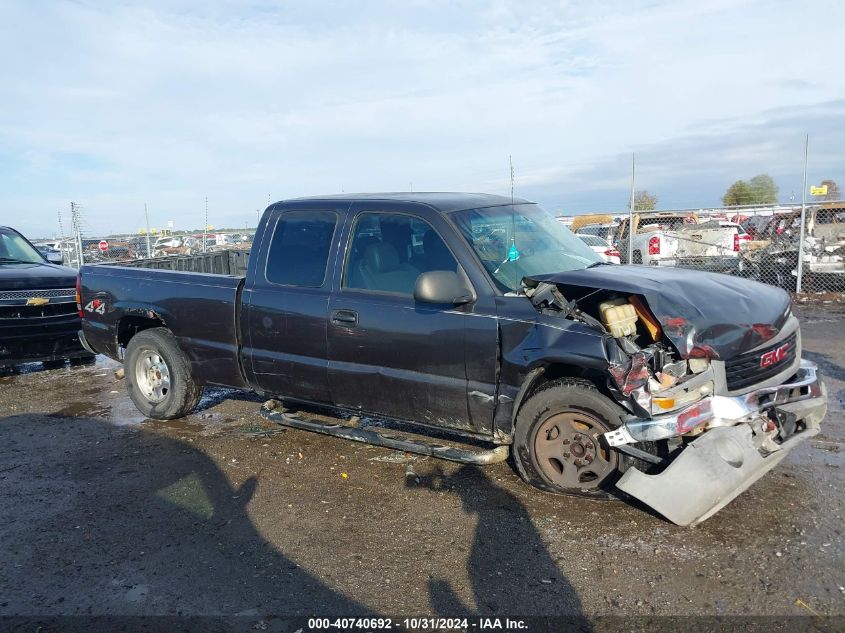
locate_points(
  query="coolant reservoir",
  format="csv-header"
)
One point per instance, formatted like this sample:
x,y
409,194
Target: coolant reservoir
x,y
619,317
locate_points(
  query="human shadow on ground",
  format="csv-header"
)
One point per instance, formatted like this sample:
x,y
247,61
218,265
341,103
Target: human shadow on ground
x,y
100,520
510,569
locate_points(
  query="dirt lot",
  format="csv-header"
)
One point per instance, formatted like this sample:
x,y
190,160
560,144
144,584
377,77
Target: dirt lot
x,y
106,513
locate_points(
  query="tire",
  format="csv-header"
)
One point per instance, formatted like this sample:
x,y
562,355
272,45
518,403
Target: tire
x,y
158,376
638,257
570,413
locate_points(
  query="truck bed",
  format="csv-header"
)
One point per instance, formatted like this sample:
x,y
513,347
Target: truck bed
x,y
200,309
227,262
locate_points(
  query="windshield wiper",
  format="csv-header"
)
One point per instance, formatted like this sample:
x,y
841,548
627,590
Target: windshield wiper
x,y
594,264
12,260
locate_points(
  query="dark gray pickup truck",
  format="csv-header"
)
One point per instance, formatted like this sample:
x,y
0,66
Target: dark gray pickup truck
x,y
485,318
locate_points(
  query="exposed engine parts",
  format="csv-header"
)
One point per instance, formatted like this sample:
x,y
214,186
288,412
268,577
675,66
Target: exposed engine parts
x,y
647,371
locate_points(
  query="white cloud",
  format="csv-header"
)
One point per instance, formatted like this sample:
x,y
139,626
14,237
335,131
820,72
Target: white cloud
x,y
112,105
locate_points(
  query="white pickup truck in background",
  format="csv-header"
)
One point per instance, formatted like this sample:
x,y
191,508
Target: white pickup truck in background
x,y
714,245
655,237
678,239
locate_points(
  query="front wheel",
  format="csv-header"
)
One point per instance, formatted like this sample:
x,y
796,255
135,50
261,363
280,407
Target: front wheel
x,y
158,376
557,440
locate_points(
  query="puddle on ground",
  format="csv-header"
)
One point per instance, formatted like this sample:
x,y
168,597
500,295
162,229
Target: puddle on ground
x,y
184,425
81,410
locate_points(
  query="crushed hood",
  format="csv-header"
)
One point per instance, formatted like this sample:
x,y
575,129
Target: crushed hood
x,y
704,315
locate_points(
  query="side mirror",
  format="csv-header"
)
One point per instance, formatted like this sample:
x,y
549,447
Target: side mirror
x,y
441,286
54,257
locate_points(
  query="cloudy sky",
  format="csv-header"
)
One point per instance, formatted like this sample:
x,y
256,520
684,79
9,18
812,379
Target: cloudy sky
x,y
114,105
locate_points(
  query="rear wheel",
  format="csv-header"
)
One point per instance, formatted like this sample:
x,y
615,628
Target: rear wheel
x,y
557,440
158,376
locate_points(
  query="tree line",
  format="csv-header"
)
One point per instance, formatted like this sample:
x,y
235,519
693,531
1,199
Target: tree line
x,y
758,190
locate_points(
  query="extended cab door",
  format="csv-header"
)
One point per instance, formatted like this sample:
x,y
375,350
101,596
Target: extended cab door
x,y
390,355
285,308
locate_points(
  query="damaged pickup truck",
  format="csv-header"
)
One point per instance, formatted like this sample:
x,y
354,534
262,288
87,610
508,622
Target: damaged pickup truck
x,y
482,319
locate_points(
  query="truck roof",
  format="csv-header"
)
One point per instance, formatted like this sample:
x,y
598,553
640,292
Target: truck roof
x,y
446,202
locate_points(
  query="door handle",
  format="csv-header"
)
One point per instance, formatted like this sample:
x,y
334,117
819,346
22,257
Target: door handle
x,y
345,318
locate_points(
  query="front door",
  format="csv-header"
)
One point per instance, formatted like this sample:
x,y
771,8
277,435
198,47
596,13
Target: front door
x,y
388,354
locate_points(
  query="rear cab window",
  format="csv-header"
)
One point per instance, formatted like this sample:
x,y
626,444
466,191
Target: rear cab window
x,y
300,247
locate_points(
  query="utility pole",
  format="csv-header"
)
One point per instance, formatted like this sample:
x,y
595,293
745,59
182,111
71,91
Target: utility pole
x,y
803,215
147,219
61,236
77,233
631,212
205,226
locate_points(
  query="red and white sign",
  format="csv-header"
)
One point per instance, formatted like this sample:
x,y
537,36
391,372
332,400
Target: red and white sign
x,y
103,245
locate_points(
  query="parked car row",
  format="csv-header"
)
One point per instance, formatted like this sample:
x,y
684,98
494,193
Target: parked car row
x,y
762,247
772,255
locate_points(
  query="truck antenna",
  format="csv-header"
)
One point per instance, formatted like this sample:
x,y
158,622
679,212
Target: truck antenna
x,y
513,251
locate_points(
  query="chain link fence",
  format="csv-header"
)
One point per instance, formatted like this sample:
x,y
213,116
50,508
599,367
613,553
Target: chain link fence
x,y
765,243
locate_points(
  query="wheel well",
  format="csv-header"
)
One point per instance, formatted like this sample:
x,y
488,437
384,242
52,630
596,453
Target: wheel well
x,y
557,371
129,326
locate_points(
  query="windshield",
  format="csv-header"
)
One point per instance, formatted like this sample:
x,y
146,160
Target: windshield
x,y
591,240
15,249
521,241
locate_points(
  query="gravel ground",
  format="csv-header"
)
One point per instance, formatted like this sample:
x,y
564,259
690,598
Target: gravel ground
x,y
104,512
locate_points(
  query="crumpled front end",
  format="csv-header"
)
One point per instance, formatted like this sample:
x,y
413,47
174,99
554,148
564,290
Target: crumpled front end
x,y
746,437
713,403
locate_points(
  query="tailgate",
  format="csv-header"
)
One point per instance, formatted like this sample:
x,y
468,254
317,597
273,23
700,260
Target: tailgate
x,y
705,242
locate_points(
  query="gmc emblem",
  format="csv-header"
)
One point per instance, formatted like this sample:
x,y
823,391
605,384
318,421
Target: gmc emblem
x,y
775,356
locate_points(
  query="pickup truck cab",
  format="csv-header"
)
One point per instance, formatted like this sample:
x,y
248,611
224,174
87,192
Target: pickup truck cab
x,y
485,318
38,315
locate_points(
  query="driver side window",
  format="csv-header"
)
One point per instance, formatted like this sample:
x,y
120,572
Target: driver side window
x,y
388,251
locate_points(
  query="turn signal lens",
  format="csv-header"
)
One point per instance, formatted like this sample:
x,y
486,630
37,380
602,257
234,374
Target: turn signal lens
x,y
664,403
79,296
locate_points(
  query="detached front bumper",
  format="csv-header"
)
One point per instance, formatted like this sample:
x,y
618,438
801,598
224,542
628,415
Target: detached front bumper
x,y
732,453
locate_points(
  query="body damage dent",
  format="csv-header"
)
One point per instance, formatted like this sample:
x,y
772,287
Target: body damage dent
x,y
704,315
529,349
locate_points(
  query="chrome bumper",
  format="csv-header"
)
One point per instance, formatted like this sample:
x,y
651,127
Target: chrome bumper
x,y
731,454
724,410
